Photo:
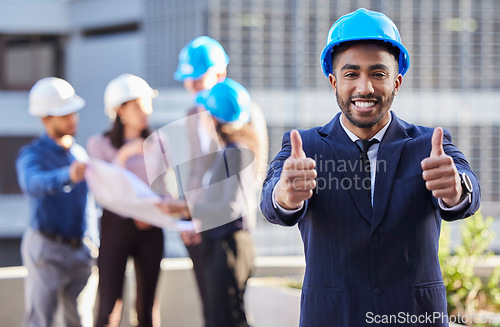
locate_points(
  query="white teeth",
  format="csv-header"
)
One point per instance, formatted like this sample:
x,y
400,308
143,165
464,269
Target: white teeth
x,y
364,104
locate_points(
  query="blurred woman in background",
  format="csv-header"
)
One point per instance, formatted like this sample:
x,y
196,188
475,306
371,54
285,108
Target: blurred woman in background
x,y
128,102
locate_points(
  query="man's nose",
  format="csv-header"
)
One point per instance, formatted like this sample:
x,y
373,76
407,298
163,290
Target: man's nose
x,y
365,85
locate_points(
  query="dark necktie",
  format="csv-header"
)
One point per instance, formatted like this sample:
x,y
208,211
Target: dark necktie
x,y
364,146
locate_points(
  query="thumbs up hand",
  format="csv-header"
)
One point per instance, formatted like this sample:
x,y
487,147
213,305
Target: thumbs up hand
x,y
297,179
440,173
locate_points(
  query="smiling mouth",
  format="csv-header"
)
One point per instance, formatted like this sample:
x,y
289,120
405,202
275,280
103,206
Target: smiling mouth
x,y
364,105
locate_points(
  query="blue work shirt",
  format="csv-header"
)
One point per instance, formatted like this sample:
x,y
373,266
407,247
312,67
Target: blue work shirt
x,y
57,204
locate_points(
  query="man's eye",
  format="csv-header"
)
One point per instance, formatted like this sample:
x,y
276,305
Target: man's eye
x,y
379,74
350,75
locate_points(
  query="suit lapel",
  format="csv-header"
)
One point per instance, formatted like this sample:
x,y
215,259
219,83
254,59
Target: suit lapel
x,y
346,154
388,157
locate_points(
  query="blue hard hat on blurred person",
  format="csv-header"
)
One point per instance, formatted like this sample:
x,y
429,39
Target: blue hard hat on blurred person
x,y
228,102
363,24
198,56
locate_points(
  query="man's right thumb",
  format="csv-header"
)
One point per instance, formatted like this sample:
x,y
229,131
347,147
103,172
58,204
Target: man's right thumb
x,y
437,142
296,141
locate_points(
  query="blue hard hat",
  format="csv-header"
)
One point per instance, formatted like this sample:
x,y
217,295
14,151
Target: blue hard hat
x,y
363,24
228,102
198,56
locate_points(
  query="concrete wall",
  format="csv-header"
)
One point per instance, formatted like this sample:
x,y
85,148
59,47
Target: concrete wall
x,y
91,64
102,13
180,305
269,303
11,295
33,17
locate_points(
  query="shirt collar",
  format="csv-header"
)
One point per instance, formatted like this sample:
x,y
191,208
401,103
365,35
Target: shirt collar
x,y
47,140
377,136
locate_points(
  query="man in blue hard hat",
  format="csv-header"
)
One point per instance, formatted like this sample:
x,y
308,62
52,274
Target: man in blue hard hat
x,y
369,190
203,64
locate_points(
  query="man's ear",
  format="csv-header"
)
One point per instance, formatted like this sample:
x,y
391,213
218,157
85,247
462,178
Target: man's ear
x,y
333,81
45,120
397,83
221,76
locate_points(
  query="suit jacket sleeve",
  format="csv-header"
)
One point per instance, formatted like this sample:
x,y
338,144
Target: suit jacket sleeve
x,y
462,167
274,215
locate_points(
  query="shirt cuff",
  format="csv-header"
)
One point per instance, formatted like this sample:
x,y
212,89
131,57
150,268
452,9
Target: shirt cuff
x,y
459,207
280,208
63,177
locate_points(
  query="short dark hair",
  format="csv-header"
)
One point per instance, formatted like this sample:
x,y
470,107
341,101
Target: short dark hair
x,y
342,47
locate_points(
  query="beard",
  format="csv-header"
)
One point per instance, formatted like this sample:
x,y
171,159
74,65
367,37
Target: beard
x,y
345,107
60,132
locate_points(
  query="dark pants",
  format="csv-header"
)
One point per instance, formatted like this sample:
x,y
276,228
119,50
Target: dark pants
x,y
196,254
120,239
228,266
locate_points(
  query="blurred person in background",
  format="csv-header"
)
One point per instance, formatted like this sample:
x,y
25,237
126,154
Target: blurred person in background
x,y
222,208
128,103
370,228
51,173
202,64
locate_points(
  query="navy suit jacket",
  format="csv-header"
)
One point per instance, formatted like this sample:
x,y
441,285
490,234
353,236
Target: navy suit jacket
x,y
364,263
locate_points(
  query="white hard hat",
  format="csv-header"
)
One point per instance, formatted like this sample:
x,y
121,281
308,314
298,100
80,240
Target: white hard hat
x,y
124,88
52,96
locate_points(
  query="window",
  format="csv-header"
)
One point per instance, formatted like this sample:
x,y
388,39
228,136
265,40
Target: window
x,y
24,59
9,147
124,28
